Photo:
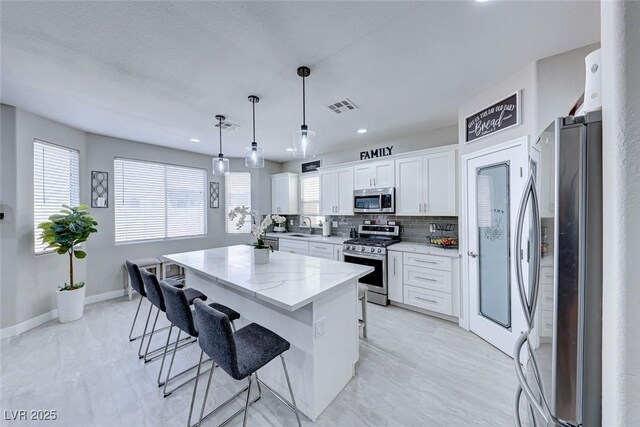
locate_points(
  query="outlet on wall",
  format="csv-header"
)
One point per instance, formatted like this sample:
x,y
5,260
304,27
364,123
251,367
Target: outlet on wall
x,y
291,222
334,224
320,327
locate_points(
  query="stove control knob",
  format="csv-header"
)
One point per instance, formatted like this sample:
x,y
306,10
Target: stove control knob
x,y
374,249
362,249
379,250
353,248
346,247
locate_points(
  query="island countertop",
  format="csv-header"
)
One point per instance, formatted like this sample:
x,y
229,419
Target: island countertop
x,y
289,281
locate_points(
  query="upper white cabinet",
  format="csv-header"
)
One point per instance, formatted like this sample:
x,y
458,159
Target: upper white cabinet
x,y
284,193
378,174
426,185
336,191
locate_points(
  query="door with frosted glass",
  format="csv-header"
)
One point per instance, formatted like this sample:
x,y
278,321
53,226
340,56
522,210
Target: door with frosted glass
x,y
494,185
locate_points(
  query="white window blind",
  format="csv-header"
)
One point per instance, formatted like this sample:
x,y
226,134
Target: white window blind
x,y
238,193
55,183
310,195
157,201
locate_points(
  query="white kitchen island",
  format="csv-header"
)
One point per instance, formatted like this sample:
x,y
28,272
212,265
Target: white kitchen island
x,y
311,302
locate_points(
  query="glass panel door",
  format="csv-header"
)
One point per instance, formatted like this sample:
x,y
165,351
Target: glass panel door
x,y
493,213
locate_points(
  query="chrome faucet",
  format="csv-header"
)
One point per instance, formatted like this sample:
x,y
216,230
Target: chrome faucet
x,y
308,219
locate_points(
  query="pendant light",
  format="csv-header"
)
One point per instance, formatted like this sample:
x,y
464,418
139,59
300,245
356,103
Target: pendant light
x,y
220,164
254,155
304,140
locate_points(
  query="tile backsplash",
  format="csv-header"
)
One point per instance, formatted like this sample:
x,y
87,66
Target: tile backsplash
x,y
412,228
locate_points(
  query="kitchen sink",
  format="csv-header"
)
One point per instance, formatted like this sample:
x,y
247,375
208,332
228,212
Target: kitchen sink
x,y
308,236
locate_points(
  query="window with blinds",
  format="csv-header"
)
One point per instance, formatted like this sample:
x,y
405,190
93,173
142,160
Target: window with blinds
x,y
55,183
237,193
310,195
157,201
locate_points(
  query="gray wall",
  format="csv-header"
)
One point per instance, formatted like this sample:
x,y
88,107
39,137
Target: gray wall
x,y
434,138
27,281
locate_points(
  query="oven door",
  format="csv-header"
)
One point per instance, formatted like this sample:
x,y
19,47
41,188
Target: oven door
x,y
376,281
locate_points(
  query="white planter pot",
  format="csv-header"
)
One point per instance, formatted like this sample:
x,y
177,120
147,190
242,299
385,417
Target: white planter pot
x,y
70,304
261,256
280,229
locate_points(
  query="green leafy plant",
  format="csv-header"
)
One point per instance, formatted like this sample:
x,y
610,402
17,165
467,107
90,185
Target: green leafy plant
x,y
64,231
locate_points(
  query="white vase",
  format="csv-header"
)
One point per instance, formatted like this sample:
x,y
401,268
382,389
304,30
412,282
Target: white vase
x,y
70,304
279,228
261,256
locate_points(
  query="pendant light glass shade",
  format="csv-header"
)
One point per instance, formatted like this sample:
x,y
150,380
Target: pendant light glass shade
x,y
220,164
254,155
304,143
304,140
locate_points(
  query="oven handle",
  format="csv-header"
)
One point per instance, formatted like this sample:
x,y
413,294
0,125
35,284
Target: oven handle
x,y
358,255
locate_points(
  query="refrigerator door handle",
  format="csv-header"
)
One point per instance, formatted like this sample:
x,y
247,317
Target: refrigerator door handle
x,y
523,386
529,306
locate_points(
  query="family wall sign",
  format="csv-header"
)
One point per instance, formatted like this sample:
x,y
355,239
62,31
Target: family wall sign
x,y
376,152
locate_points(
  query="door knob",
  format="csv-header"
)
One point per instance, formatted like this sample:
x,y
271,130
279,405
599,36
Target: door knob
x,y
472,254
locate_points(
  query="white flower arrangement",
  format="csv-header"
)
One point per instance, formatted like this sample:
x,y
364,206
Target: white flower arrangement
x,y
279,219
257,230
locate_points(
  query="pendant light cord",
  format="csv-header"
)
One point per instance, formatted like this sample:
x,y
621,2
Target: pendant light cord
x,y
304,97
253,104
220,126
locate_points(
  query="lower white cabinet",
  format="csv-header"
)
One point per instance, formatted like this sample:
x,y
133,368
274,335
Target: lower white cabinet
x,y
321,250
338,255
425,281
293,246
394,276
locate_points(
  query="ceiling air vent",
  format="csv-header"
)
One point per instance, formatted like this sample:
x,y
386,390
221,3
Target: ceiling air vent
x,y
343,106
227,125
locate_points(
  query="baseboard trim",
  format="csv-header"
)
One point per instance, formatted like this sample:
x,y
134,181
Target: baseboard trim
x,y
20,328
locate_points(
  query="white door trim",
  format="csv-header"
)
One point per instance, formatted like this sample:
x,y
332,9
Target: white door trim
x,y
463,321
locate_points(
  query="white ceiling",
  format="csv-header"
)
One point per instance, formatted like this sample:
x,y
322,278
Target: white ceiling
x,y
158,72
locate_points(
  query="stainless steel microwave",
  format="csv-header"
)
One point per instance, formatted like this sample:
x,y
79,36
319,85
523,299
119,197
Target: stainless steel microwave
x,y
374,200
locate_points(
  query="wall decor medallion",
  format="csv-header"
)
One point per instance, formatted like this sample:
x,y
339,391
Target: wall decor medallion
x,y
214,195
99,189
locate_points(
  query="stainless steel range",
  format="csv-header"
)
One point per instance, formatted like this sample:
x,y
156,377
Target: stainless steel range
x,y
371,249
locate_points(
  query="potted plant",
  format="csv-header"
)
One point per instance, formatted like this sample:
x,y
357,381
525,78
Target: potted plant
x,y
261,251
280,223
63,233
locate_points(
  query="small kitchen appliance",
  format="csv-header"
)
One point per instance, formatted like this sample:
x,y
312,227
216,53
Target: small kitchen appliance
x,y
374,200
370,249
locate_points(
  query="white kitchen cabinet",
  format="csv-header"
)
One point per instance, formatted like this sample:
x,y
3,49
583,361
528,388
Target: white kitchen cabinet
x,y
377,174
394,276
284,194
293,246
336,191
321,250
338,255
426,185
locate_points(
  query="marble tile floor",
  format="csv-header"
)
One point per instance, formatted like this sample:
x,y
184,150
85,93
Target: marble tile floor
x,y
415,370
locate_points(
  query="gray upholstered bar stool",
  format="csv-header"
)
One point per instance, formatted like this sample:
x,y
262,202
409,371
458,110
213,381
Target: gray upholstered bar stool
x,y
154,295
133,270
363,291
240,354
180,315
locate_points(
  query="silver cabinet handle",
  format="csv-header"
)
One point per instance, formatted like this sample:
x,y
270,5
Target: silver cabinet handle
x,y
427,299
394,265
424,260
426,278
425,208
472,254
374,182
419,207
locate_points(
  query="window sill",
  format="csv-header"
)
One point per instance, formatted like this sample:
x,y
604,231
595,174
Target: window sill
x,y
170,239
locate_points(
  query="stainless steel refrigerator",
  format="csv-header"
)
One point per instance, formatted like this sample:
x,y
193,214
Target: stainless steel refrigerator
x,y
558,359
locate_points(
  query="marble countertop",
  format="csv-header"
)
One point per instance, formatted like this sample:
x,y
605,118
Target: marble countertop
x,y
289,281
422,248
334,240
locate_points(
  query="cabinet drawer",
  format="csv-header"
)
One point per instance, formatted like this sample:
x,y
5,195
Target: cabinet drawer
x,y
428,278
321,254
429,300
325,248
546,323
428,261
546,276
287,245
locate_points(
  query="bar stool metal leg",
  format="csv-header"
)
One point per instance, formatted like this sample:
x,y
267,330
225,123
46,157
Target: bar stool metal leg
x,y
164,354
195,389
134,321
246,406
144,333
293,399
151,336
206,394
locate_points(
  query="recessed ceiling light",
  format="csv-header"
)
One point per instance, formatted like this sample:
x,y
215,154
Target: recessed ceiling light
x,y
194,140
362,131
289,149
481,1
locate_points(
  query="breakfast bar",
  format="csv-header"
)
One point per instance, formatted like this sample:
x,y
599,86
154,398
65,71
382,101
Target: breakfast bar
x,y
311,302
